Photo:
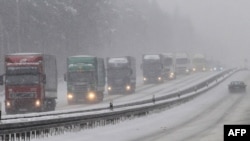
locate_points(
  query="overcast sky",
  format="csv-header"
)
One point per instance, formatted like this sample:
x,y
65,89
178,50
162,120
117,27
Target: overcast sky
x,y
225,24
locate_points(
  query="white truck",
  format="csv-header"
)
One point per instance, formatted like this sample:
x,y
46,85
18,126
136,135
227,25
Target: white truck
x,y
199,63
169,62
183,63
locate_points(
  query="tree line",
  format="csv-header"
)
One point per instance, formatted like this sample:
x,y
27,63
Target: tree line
x,y
95,27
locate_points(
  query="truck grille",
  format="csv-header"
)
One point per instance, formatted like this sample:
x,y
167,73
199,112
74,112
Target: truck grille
x,y
80,88
25,105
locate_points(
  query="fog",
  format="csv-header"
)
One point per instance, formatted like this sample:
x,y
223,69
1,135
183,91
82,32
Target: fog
x,y
222,27
112,28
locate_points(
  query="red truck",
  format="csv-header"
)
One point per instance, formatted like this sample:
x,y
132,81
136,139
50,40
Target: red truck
x,y
30,82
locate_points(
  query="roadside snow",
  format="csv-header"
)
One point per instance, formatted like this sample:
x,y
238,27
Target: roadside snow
x,y
165,125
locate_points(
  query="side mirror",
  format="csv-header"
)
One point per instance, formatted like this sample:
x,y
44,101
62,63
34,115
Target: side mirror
x,y
44,79
65,77
1,79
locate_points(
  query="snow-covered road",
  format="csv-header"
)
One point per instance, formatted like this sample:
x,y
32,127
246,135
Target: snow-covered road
x,y
143,91
200,119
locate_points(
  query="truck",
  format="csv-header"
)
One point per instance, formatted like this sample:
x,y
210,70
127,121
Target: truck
x,y
85,79
152,68
121,74
30,82
183,63
169,65
199,63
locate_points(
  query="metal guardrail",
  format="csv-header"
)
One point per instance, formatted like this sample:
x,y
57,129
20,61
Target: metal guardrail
x,y
60,122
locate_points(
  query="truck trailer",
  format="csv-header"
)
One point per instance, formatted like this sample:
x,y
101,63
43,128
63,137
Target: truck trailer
x,y
85,79
121,74
30,82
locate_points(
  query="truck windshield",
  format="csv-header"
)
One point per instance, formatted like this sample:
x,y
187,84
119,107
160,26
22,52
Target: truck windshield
x,y
152,65
181,61
17,70
86,76
118,73
24,79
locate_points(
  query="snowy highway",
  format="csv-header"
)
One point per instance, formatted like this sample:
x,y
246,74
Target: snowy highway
x,y
199,119
124,70
142,92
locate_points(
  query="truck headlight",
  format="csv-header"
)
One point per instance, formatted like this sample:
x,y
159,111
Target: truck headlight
x,y
91,96
145,79
70,96
204,69
194,69
38,103
187,70
171,75
8,104
159,78
109,88
128,87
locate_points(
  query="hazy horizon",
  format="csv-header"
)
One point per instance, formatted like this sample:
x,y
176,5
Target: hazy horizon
x,y
222,26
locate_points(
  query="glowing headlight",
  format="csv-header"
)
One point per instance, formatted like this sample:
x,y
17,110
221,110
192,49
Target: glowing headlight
x,y
145,79
187,70
171,75
8,104
204,69
70,96
215,68
38,103
194,69
128,87
159,78
109,88
91,95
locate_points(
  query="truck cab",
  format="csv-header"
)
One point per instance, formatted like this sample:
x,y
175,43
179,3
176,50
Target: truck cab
x,y
199,63
183,63
85,79
169,66
121,74
152,68
25,84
